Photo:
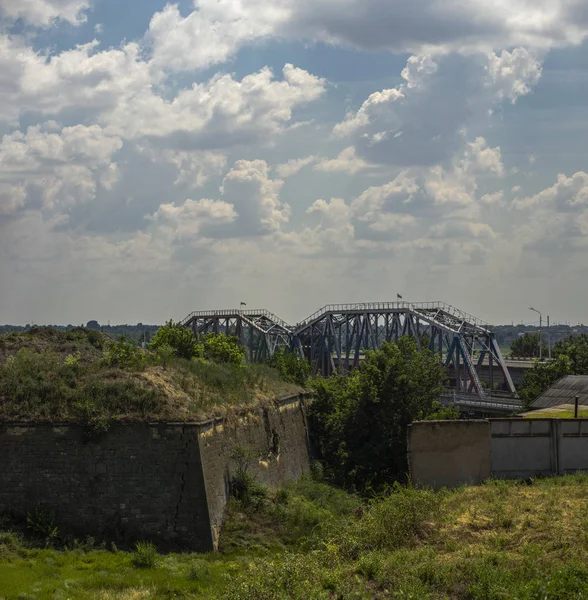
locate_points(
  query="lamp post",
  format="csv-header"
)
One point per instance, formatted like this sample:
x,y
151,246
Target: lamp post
x,y
540,324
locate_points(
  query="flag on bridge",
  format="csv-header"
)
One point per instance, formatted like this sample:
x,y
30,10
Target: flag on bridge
x,y
243,304
399,296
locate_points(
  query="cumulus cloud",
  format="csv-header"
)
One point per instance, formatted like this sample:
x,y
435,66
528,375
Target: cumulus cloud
x,y
215,30
461,229
211,33
256,198
44,12
493,199
293,166
194,168
424,121
62,168
347,162
568,194
187,220
115,88
89,83
249,206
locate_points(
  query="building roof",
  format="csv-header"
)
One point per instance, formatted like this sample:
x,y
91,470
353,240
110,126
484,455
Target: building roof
x,y
563,391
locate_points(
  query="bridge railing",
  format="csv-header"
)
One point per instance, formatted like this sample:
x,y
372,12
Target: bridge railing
x,y
451,310
355,307
233,312
401,305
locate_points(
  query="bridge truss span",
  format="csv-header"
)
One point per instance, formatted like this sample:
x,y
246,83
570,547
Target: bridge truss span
x,y
260,332
335,338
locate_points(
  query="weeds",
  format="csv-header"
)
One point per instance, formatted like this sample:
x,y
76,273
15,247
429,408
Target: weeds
x,y
145,555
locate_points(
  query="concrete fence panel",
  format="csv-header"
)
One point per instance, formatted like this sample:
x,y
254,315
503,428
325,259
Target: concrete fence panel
x,y
452,453
449,453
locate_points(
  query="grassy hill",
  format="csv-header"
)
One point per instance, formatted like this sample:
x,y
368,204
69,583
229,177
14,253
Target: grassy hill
x,y
85,376
310,541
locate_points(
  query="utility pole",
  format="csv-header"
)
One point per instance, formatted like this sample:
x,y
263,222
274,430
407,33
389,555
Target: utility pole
x,y
540,324
548,339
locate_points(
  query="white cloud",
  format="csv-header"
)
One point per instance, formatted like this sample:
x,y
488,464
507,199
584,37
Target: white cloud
x,y
347,162
493,199
216,29
249,206
480,159
210,34
513,74
568,194
293,166
117,89
44,12
63,168
424,121
92,83
194,168
186,221
460,229
256,198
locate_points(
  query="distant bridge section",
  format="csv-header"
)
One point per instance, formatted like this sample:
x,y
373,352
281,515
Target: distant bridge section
x,y
335,338
260,332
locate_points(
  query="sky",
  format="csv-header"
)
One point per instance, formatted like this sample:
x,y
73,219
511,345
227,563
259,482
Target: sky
x,y
157,159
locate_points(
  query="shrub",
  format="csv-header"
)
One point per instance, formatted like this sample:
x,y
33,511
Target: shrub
x,y
243,486
223,349
145,555
94,338
180,339
41,523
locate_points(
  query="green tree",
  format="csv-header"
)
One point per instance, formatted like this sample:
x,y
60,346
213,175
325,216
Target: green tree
x,y
181,339
527,346
570,358
220,348
541,376
575,347
291,366
360,421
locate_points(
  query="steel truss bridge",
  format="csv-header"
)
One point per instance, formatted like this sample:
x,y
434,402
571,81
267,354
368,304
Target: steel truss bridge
x,y
335,338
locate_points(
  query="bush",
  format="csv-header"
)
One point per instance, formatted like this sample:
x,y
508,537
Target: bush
x,y
243,486
145,555
41,523
123,354
223,349
180,339
94,338
291,366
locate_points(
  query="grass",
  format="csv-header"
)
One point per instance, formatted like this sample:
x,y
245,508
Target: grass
x,y
76,376
311,541
557,414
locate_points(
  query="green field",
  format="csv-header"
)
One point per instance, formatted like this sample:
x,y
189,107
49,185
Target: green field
x,y
311,541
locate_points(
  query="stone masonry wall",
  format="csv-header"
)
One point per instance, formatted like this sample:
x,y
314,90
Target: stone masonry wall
x,y
277,440
162,482
134,481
